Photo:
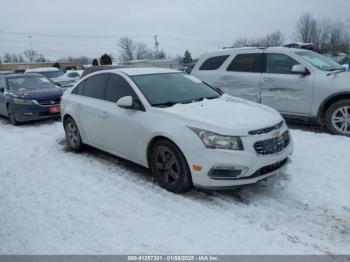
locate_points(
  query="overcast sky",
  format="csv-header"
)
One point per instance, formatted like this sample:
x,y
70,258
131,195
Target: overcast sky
x,y
90,27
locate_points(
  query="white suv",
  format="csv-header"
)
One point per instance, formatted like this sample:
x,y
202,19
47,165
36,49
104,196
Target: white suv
x,y
187,132
298,83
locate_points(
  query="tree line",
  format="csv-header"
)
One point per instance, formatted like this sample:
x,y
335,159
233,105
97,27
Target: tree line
x,y
326,35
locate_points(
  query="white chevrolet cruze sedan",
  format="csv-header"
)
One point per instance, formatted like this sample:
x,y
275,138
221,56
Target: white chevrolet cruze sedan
x,y
185,131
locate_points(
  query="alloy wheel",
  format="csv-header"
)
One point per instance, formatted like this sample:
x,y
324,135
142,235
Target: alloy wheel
x,y
72,134
167,165
341,119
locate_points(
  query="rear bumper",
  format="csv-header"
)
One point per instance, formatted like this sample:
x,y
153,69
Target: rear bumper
x,y
25,113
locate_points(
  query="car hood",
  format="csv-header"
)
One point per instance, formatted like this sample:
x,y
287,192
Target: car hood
x,y
225,115
42,94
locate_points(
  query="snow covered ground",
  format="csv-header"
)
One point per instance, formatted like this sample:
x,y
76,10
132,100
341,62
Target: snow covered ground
x,y
53,201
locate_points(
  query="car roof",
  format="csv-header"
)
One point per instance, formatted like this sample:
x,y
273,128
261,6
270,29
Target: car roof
x,y
145,70
42,69
22,75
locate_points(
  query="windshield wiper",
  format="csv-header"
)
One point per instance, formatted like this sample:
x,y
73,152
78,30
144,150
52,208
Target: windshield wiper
x,y
166,104
336,71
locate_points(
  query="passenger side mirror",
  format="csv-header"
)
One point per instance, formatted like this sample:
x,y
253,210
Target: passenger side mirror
x,y
126,102
2,90
300,70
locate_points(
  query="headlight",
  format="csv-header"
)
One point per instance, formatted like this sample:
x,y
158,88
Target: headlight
x,y
21,101
212,140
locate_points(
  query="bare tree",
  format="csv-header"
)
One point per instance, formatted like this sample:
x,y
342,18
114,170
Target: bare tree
x,y
127,49
273,39
142,51
8,58
325,34
241,42
30,54
307,29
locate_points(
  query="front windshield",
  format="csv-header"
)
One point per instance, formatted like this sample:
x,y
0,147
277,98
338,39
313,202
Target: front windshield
x,y
52,74
321,62
27,83
170,88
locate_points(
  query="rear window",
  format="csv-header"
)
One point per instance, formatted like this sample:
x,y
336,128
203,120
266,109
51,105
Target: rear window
x,y
213,63
246,63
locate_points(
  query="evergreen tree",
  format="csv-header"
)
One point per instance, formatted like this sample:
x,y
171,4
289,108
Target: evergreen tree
x,y
187,59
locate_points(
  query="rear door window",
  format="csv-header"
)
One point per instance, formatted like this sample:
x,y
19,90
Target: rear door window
x,y
95,86
246,63
213,63
117,87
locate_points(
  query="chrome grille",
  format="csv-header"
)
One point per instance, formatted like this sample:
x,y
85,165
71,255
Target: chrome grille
x,y
50,102
273,145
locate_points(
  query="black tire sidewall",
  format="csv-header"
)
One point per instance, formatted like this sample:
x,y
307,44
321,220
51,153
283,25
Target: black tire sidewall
x,y
80,144
329,113
12,121
184,182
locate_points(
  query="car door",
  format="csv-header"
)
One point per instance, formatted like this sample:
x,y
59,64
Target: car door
x,y
90,109
242,76
122,127
2,96
283,90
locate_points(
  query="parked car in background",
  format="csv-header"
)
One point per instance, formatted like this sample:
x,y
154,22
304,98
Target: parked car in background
x,y
185,131
74,74
298,83
308,46
27,97
56,75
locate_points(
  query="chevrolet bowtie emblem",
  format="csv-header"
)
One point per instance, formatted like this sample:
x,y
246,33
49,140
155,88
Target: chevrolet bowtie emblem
x,y
276,133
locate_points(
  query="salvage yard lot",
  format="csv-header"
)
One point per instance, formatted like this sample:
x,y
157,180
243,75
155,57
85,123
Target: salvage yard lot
x,y
54,201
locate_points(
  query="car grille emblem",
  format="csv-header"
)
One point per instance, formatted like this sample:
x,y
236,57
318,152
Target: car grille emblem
x,y
276,133
52,102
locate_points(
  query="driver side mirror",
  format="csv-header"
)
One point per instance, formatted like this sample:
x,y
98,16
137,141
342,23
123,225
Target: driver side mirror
x,y
2,90
126,102
300,70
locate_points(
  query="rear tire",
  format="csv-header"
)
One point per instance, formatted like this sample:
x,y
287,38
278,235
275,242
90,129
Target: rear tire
x,y
337,118
73,135
12,115
169,167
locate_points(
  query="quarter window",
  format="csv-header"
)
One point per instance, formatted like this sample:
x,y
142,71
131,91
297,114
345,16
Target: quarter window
x,y
279,64
246,63
95,86
118,87
213,63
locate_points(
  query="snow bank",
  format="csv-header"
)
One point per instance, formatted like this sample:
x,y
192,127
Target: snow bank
x,y
53,201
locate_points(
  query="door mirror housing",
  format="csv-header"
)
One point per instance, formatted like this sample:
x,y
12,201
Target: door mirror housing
x,y
300,70
2,90
126,102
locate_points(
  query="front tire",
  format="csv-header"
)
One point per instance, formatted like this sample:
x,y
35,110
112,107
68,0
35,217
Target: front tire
x,y
12,115
73,135
169,167
337,118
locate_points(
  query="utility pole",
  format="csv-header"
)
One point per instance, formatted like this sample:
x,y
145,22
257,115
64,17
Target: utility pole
x,y
31,48
156,46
